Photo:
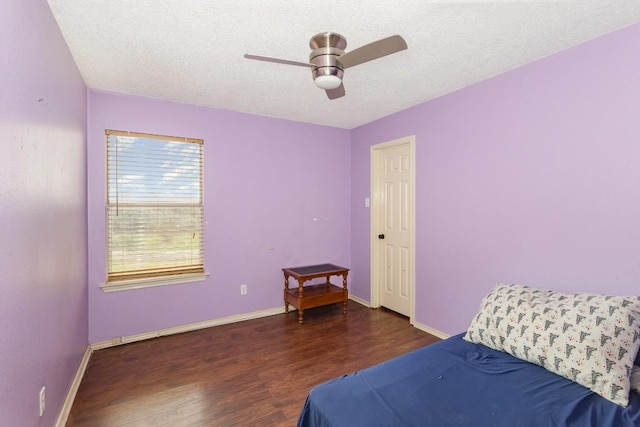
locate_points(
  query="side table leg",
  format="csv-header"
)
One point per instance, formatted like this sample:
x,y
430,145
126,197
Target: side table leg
x,y
286,287
300,296
345,294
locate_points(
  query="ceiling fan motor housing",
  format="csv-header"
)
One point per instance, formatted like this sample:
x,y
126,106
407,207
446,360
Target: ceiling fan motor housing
x,y
326,48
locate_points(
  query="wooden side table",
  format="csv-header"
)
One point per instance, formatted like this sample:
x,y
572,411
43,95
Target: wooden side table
x,y
311,296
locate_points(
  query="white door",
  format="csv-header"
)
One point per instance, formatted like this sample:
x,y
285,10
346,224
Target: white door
x,y
393,226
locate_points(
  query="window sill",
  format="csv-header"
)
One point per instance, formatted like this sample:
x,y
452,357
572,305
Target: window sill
x,y
126,285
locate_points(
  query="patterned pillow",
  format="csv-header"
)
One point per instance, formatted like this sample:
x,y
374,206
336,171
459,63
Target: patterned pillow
x,y
588,338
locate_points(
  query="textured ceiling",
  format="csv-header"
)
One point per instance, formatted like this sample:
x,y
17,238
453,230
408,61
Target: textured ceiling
x,y
191,51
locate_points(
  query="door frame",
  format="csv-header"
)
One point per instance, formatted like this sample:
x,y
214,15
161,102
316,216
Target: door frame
x,y
376,152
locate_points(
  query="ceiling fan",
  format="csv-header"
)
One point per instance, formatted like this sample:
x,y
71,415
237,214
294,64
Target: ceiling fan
x,y
328,59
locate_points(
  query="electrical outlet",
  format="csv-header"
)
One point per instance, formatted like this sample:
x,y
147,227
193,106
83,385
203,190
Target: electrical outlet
x,y
42,400
243,289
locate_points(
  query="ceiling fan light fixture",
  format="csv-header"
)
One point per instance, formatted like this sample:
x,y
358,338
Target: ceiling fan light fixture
x,y
328,82
328,59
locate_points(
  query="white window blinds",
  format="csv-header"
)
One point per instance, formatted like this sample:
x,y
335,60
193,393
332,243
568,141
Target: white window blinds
x,y
154,206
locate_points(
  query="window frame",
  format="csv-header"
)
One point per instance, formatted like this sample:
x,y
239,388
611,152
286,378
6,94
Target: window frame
x,y
137,279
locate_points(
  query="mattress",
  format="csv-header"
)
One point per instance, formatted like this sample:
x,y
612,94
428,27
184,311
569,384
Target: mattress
x,y
458,383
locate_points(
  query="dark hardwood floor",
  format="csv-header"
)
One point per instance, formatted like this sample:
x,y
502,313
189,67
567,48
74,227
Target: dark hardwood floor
x,y
252,373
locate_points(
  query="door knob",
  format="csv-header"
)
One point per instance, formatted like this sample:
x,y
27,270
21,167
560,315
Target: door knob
x,y
380,236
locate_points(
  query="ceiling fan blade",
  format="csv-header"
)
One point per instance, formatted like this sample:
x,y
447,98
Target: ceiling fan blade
x,y
336,93
372,51
278,61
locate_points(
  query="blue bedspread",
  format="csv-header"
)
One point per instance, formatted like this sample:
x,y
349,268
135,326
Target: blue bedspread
x,y
457,383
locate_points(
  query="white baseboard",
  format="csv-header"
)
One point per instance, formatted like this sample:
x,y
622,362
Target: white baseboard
x,y
416,325
360,301
73,389
187,328
430,330
201,325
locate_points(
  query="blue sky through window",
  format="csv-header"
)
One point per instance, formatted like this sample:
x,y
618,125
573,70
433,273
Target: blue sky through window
x,y
146,170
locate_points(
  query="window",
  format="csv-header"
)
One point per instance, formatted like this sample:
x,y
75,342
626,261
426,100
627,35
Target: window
x,y
154,210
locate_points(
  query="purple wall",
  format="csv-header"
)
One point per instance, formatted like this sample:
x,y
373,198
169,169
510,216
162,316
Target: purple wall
x,y
276,195
43,295
530,177
526,177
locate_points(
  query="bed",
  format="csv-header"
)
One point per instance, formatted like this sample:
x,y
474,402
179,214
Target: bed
x,y
456,382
